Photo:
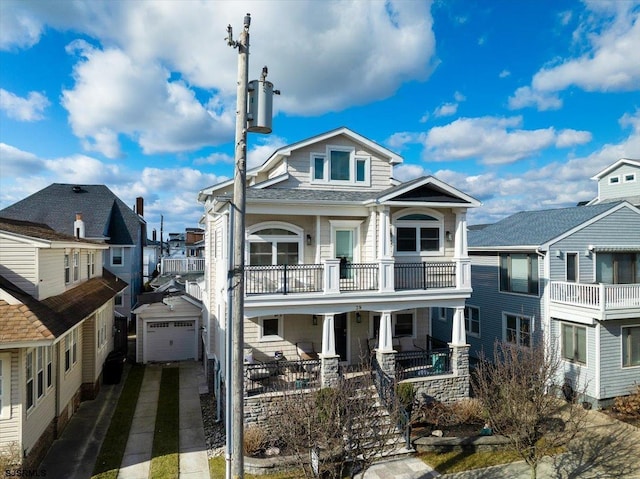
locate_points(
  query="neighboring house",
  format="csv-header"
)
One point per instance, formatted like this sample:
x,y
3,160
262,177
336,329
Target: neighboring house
x,y
56,330
341,259
168,328
152,252
105,218
619,181
194,242
177,245
570,275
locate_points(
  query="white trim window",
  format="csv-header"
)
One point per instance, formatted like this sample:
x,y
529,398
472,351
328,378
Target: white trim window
x,y
76,266
614,180
118,299
30,397
629,177
67,268
70,349
91,264
630,346
419,233
517,329
572,267
574,343
472,320
40,375
102,327
270,328
5,385
340,165
274,243
117,256
404,325
49,362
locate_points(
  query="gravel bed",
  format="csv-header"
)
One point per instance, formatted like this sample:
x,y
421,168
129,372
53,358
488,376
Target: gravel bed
x,y
214,432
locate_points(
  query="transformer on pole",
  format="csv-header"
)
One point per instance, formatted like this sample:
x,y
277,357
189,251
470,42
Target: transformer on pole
x,y
256,118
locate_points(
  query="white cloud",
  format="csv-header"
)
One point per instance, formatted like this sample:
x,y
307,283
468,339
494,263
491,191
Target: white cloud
x,y
525,96
397,141
493,140
114,95
214,159
16,162
611,62
504,74
407,171
30,108
459,97
262,149
446,109
567,138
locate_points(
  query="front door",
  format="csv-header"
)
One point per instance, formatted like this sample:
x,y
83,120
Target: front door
x,y
344,251
340,334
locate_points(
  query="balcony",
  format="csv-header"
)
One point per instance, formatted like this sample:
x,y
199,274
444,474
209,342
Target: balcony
x,y
602,301
336,277
182,265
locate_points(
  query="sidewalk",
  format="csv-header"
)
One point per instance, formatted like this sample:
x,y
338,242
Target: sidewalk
x,y
73,455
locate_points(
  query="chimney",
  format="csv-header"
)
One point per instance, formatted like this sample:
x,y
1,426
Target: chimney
x,y
78,226
140,205
153,235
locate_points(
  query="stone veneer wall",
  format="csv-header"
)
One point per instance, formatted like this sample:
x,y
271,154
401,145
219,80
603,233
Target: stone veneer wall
x,y
260,409
447,388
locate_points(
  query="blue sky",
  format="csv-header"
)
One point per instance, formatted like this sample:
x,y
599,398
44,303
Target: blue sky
x,y
518,103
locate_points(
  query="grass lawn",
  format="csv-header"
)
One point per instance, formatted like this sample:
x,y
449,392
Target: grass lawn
x,y
165,456
112,450
454,461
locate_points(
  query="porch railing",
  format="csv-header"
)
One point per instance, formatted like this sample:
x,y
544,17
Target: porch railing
x,y
597,296
415,364
310,278
284,279
386,387
425,275
182,265
278,376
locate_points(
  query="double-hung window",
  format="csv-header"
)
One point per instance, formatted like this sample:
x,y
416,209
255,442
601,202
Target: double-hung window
x,y
572,267
630,346
70,349
40,370
271,328
618,268
519,273
472,320
76,266
574,343
29,380
67,269
117,256
91,267
274,246
517,329
403,324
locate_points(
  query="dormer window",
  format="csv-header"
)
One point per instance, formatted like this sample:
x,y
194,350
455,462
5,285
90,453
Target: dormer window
x,y
614,180
340,165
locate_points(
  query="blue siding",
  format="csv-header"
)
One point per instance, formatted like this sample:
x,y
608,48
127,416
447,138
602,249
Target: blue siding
x,y
616,380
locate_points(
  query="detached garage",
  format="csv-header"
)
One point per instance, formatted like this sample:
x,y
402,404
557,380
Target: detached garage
x,y
168,330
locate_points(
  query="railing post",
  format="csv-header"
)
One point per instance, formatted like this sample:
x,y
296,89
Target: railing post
x,y
603,298
331,276
386,273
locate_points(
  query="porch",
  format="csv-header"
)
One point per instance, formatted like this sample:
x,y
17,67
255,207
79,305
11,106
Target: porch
x,y
334,276
604,301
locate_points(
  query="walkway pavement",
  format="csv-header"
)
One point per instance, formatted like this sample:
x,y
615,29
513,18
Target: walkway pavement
x,y
74,454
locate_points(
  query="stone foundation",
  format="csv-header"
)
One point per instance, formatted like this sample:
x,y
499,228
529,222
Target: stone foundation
x,y
63,419
89,391
329,371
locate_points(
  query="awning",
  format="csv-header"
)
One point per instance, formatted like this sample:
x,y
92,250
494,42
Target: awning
x,y
616,249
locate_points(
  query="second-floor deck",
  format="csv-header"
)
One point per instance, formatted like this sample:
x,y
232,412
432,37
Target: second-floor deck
x,y
604,301
182,265
335,277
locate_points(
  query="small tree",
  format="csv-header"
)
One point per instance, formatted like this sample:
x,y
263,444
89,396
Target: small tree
x,y
340,430
518,392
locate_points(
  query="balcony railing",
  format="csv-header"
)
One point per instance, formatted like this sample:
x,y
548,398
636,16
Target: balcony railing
x,y
599,296
414,364
349,277
278,376
182,265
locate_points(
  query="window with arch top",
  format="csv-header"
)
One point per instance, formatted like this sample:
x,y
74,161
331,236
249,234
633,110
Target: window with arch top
x,y
419,233
274,244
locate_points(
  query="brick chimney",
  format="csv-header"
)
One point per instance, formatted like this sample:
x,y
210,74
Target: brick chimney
x,y
78,226
140,205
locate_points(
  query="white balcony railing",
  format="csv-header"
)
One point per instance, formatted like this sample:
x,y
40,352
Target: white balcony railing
x,y
603,297
182,265
193,289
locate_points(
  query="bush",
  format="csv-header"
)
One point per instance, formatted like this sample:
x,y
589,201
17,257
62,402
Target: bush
x,y
255,440
465,411
406,395
9,457
628,405
468,411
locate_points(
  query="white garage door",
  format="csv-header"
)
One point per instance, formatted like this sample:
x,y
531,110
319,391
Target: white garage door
x,y
170,341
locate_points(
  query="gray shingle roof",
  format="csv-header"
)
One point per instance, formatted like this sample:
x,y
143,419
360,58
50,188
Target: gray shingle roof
x,y
533,228
104,214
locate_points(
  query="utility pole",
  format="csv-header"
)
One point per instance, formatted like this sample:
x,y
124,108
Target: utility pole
x,y
254,110
239,200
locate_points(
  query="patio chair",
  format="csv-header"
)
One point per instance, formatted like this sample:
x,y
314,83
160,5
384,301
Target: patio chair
x,y
305,350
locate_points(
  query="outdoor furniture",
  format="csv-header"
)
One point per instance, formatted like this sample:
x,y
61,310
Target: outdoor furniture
x,y
305,350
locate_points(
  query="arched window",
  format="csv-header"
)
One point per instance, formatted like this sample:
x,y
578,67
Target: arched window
x,y
419,233
274,243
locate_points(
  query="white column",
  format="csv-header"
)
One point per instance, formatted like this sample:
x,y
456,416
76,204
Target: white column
x,y
461,235
384,232
458,334
385,339
328,336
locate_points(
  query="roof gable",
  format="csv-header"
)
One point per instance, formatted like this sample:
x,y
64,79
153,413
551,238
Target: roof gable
x,y
427,189
615,166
